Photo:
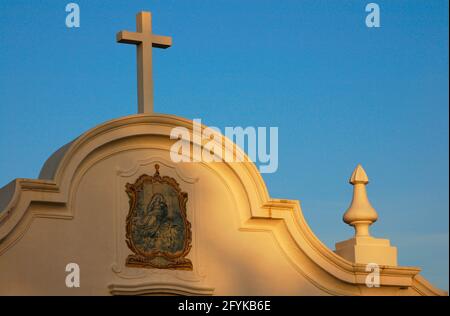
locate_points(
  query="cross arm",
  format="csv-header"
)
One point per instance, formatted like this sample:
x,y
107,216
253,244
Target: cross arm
x,y
129,37
161,41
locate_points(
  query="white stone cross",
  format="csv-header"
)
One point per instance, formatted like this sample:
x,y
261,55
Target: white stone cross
x,y
144,40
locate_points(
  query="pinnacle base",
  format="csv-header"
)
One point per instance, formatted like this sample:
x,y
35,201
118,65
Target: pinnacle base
x,y
367,250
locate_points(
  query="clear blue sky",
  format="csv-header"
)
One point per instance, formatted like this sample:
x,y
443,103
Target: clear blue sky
x,y
340,93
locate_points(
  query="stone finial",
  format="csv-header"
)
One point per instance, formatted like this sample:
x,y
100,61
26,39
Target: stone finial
x,y
360,214
359,175
156,170
363,248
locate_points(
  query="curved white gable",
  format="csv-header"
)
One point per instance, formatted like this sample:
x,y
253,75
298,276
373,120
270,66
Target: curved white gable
x,y
244,242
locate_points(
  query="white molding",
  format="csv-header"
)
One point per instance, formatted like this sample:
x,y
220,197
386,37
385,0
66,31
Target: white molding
x,y
158,288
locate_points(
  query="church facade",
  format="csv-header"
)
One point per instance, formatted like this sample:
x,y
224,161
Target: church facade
x,y
114,205
240,241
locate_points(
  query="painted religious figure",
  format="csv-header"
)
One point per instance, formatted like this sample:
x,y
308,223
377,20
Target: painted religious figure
x,y
158,231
